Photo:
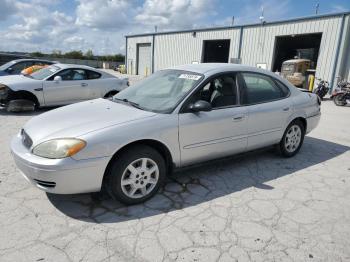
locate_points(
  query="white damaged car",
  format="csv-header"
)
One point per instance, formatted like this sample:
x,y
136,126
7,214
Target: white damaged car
x,y
58,84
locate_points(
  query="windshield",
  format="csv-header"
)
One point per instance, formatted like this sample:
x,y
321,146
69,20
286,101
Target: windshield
x,y
162,91
45,72
288,68
7,65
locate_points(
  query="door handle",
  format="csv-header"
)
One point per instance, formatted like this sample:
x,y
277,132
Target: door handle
x,y
286,109
84,84
238,118
38,89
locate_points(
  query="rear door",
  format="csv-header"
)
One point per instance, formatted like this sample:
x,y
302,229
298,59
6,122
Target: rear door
x,y
268,106
96,86
72,88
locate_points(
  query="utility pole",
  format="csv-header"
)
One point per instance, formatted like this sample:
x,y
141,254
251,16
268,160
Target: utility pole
x,y
316,8
155,28
233,21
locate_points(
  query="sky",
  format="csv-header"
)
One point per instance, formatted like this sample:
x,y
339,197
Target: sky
x,y
101,25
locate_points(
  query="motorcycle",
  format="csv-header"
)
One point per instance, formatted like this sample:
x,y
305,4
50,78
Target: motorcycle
x,y
341,94
322,88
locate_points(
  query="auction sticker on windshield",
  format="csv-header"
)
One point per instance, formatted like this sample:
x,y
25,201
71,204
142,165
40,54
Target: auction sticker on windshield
x,y
191,77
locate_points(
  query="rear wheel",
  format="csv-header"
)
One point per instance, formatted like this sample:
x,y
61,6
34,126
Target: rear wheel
x,y
292,139
136,175
338,100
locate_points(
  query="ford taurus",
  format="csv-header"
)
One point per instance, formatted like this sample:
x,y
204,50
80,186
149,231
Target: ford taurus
x,y
174,118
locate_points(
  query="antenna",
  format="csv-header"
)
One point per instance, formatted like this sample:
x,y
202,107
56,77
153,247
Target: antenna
x,y
262,15
316,8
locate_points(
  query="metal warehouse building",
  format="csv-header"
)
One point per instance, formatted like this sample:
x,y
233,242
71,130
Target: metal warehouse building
x,y
324,39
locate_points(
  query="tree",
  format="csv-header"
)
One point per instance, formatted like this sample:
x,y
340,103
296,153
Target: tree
x,y
56,53
89,54
74,55
37,54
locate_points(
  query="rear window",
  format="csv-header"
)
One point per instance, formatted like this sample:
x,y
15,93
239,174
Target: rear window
x,y
93,75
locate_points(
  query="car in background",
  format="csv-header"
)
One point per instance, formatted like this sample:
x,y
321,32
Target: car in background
x,y
15,67
58,84
174,118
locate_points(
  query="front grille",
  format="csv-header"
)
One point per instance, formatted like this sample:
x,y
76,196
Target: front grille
x,y
45,183
26,140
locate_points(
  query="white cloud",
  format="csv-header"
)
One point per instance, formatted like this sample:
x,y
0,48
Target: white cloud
x,y
103,14
273,10
339,8
6,9
170,14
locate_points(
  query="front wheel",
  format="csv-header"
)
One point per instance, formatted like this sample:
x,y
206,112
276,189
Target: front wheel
x,y
136,175
292,139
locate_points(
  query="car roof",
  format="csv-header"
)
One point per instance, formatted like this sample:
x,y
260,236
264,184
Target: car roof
x,y
66,66
212,68
29,59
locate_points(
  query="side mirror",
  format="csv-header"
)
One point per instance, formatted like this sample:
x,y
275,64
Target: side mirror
x,y
199,106
57,79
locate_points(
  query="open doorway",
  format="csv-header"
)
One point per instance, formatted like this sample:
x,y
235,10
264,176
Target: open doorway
x,y
216,51
305,46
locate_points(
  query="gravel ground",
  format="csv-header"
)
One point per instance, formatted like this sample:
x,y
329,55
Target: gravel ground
x,y
253,207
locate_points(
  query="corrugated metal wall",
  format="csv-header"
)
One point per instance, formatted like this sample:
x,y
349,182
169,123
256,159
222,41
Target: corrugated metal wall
x,y
258,44
184,48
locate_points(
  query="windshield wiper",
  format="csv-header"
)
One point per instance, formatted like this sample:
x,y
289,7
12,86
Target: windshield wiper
x,y
129,102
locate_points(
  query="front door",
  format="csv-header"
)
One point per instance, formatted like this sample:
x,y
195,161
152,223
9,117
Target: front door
x,y
72,88
219,132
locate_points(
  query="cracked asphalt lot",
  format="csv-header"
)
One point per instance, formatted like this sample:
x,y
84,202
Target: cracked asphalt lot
x,y
253,207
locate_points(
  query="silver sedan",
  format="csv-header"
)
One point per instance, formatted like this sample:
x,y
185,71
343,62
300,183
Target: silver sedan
x,y
174,118
58,84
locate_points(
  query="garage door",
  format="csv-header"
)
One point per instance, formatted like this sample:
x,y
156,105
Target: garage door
x,y
144,59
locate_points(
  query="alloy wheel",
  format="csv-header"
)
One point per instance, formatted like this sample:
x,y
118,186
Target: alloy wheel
x,y
139,178
293,138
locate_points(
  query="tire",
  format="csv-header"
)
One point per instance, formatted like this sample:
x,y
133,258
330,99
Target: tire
x,y
338,100
292,139
138,183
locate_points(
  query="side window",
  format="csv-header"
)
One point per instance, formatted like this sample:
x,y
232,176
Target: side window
x,y
259,89
92,75
285,90
72,75
220,91
17,68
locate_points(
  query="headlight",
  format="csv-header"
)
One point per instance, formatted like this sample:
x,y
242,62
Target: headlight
x,y
59,148
3,88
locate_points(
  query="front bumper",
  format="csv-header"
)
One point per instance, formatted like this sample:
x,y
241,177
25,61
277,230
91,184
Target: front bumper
x,y
59,176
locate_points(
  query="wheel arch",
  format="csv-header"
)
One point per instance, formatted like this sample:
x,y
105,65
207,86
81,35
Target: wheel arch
x,y
157,145
24,94
302,120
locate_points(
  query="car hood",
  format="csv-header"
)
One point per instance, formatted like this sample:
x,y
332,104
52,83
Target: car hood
x,y
10,80
81,118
